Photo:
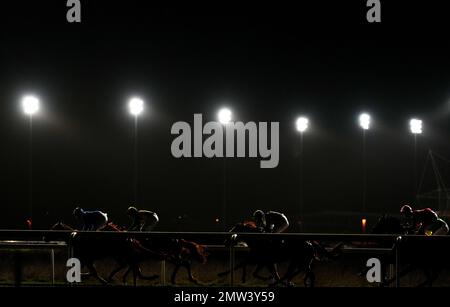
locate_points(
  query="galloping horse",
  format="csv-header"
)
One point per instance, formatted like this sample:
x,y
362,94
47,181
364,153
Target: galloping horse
x,y
180,253
125,251
429,257
300,255
129,252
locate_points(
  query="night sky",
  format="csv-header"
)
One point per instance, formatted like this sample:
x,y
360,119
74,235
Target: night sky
x,y
266,62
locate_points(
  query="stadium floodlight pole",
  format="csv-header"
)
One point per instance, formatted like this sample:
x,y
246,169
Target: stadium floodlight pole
x,y
136,107
415,126
30,106
364,123
224,115
302,125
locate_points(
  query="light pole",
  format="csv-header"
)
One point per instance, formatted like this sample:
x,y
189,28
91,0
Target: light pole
x,y
415,126
302,125
224,116
136,106
30,105
364,123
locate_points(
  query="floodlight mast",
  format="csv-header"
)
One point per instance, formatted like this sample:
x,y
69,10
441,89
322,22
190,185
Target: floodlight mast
x,y
364,123
136,107
302,124
30,106
415,126
224,116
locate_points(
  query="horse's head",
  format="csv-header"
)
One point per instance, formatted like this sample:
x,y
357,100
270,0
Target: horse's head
x,y
110,226
387,224
246,226
61,226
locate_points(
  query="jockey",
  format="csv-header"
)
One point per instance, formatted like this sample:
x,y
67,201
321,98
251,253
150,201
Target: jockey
x,y
271,221
423,222
91,220
142,220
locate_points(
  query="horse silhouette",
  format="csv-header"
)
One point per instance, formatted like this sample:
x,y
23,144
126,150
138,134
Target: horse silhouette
x,y
430,257
126,252
180,253
267,253
130,252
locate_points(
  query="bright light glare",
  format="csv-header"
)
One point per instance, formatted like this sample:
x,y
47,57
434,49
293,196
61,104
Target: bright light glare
x,y
224,116
416,126
136,106
30,105
302,124
364,121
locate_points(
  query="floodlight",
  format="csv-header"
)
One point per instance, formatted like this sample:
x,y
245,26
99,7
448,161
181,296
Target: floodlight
x,y
302,124
30,105
364,121
136,106
416,126
224,116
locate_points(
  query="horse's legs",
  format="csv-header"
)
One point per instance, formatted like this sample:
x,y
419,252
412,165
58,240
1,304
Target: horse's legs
x,y
434,276
174,273
259,266
94,273
292,270
431,276
244,272
363,272
309,275
274,272
142,276
408,269
124,277
135,274
273,268
188,266
121,266
237,266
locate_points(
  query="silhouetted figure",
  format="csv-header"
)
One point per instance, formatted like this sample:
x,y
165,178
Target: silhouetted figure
x,y
142,220
422,222
271,221
90,220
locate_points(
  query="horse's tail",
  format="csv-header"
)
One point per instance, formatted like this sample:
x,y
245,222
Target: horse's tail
x,y
322,253
197,250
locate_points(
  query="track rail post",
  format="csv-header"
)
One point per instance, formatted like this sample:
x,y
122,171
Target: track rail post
x,y
52,257
232,258
398,242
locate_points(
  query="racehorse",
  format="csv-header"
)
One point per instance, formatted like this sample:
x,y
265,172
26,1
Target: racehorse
x,y
130,252
427,257
254,252
300,255
180,253
125,251
388,224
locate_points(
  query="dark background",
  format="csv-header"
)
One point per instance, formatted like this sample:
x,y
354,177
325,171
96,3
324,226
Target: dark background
x,y
267,61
